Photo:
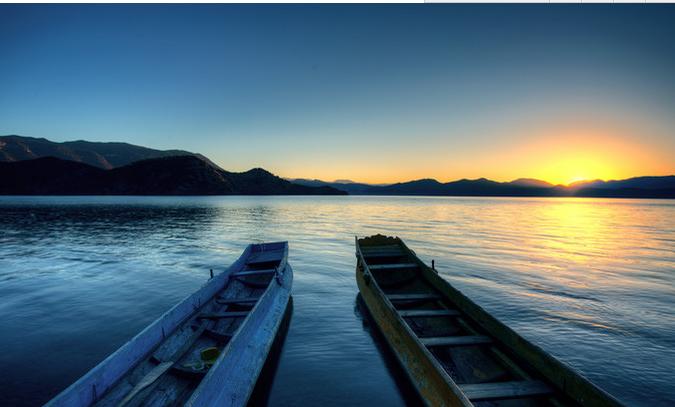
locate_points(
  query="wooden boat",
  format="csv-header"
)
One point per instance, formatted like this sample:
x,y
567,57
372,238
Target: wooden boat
x,y
453,351
207,350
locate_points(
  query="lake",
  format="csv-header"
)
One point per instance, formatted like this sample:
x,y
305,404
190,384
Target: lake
x,y
592,281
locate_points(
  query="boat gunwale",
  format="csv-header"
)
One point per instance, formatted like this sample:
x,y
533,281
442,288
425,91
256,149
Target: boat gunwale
x,y
97,381
553,370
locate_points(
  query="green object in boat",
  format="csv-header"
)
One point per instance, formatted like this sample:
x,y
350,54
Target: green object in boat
x,y
210,355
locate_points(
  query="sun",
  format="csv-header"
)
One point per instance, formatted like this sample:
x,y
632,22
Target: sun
x,y
577,167
565,154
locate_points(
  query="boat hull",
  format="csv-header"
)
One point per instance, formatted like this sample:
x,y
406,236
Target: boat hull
x,y
433,329
127,376
430,382
231,381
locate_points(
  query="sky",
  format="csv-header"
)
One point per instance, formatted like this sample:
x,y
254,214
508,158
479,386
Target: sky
x,y
369,93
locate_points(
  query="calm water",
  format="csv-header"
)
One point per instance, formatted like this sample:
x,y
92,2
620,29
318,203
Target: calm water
x,y
591,281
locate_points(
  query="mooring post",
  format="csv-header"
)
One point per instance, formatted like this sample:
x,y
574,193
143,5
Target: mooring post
x,y
433,264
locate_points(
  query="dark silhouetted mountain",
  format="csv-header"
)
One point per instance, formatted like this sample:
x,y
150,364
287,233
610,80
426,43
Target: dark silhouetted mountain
x,y
257,181
49,176
101,155
531,182
417,187
641,187
638,182
353,188
180,175
463,187
344,181
584,183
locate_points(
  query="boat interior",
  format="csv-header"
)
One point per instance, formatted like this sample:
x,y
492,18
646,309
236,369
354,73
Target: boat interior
x,y
174,369
487,372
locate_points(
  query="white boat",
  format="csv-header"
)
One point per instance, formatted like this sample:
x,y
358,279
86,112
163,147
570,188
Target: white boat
x,y
207,350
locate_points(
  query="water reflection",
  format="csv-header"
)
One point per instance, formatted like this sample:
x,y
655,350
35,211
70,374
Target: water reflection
x,y
404,386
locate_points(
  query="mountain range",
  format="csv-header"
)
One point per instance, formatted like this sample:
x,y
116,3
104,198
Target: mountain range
x,y
639,187
37,166
101,155
30,166
352,188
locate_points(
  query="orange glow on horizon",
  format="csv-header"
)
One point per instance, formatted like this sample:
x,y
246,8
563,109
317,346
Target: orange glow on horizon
x,y
577,167
572,155
563,156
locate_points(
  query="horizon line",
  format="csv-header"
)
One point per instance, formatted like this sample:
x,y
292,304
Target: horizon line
x,y
349,181
443,180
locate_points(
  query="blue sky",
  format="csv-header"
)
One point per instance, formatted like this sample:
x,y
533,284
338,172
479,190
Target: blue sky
x,y
373,93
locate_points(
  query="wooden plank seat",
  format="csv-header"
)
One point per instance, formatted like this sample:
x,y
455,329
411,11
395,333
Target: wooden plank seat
x,y
253,273
244,300
465,340
394,266
503,390
415,313
413,297
220,315
377,254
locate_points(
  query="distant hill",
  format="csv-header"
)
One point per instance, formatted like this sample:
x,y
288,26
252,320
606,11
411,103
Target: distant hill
x,y
353,188
640,187
101,155
531,182
180,175
638,182
463,187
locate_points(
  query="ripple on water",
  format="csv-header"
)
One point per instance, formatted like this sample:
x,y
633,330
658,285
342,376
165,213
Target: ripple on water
x,y
591,281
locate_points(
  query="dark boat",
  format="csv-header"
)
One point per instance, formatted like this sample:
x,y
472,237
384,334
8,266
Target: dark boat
x,y
452,350
207,350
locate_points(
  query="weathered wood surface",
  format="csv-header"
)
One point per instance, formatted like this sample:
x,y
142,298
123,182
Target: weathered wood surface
x,y
484,370
430,379
253,273
429,313
230,381
131,374
393,266
233,314
466,340
262,257
561,376
502,390
226,301
412,297
384,253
